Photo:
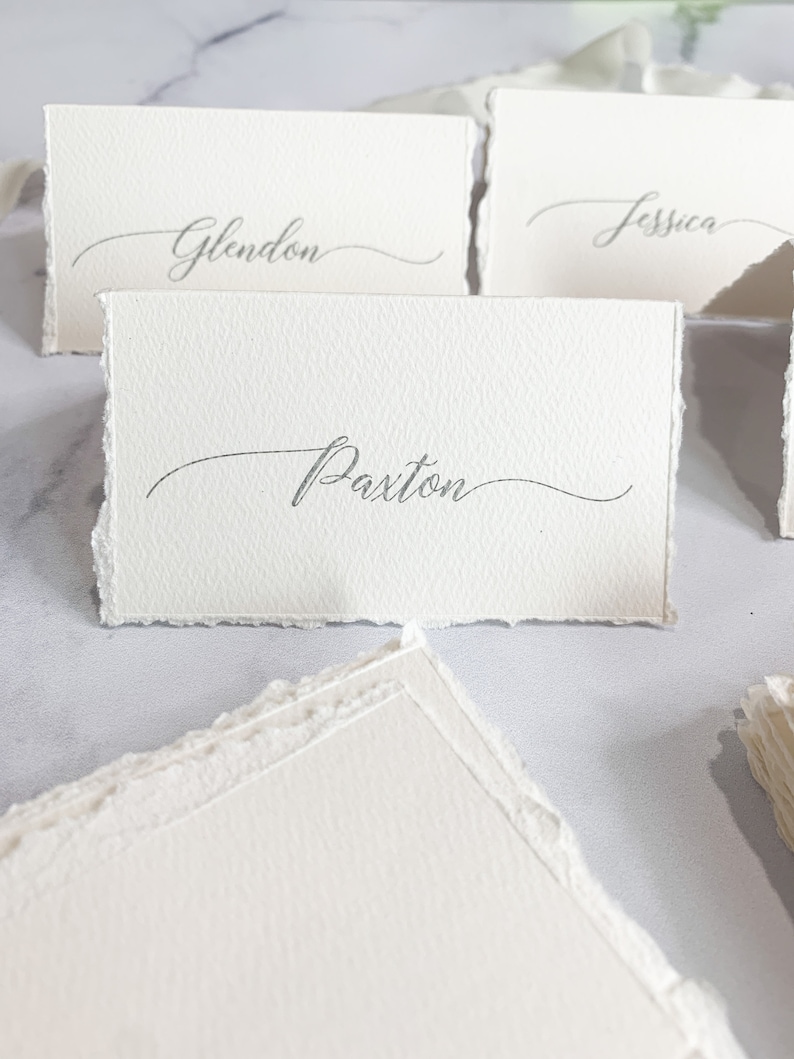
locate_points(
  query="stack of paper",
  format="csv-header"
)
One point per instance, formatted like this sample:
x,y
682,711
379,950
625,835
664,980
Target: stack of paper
x,y
355,866
768,734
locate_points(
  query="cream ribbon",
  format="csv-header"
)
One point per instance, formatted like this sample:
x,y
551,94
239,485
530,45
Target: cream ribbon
x,y
620,60
13,177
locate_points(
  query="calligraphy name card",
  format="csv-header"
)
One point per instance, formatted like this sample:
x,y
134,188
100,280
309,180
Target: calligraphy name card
x,y
177,197
629,196
301,458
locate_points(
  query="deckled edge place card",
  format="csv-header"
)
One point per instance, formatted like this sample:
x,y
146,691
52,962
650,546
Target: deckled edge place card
x,y
199,198
623,195
305,458
353,866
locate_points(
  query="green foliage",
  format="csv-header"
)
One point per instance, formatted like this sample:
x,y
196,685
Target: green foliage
x,y
690,16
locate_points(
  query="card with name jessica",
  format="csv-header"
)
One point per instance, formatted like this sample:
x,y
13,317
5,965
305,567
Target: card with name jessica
x,y
305,458
174,197
631,196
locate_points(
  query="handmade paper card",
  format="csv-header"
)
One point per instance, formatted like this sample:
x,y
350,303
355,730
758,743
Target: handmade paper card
x,y
629,196
174,197
303,458
352,867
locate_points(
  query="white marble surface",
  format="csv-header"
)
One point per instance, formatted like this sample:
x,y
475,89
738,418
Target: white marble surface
x,y
631,730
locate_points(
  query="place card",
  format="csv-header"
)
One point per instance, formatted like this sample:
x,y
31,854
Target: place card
x,y
623,195
305,458
175,197
353,866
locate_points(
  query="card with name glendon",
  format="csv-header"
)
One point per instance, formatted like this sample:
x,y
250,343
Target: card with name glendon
x,y
305,458
623,195
355,866
175,197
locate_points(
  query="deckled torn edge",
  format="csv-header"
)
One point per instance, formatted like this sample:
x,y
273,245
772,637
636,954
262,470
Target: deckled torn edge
x,y
107,796
51,858
694,1007
111,808
471,142
49,327
103,536
677,409
701,312
786,500
75,797
767,755
483,226
317,621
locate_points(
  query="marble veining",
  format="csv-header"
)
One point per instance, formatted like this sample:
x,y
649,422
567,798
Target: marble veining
x,y
56,474
157,94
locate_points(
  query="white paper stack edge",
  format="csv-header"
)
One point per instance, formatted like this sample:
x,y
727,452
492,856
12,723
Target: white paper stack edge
x,y
768,734
354,866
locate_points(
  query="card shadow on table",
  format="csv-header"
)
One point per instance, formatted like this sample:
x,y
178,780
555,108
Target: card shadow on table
x,y
763,291
733,383
54,470
695,866
22,271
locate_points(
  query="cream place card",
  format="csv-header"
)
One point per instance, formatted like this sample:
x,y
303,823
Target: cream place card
x,y
355,866
304,458
631,196
174,197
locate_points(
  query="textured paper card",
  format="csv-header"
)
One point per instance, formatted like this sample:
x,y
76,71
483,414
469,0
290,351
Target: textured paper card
x,y
303,458
174,197
357,866
628,196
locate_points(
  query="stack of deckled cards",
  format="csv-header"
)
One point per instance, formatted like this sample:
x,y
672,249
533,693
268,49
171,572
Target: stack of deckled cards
x,y
768,733
356,866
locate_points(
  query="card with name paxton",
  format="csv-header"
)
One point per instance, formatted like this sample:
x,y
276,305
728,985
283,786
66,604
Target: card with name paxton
x,y
620,195
304,458
179,197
